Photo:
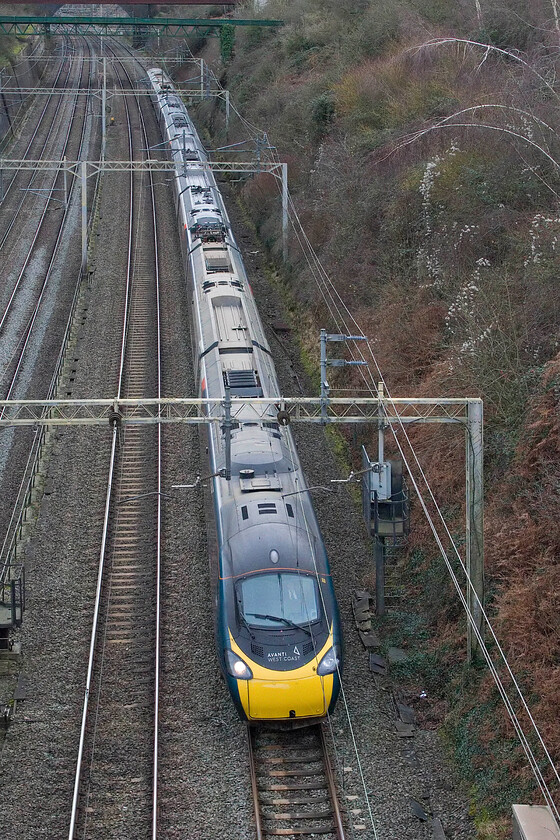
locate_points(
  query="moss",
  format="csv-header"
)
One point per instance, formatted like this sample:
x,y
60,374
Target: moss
x,y
339,446
486,762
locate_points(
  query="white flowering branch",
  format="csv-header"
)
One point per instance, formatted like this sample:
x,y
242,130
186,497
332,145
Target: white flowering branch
x,y
556,20
478,12
488,48
447,123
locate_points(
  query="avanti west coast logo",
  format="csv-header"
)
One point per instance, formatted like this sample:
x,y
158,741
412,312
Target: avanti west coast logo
x,y
283,655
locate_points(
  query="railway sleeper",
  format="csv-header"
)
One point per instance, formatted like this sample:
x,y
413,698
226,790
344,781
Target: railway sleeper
x,y
298,800
318,785
309,831
301,815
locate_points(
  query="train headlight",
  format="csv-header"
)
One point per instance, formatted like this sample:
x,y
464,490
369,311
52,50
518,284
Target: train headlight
x,y
329,663
236,667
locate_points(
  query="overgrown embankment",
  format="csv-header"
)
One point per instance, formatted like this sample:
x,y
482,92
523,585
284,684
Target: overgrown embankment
x,y
424,164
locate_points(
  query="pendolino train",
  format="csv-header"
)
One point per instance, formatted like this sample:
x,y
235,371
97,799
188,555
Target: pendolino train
x,y
277,624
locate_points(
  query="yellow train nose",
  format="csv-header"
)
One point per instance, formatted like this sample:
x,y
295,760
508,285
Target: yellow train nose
x,y
293,694
288,699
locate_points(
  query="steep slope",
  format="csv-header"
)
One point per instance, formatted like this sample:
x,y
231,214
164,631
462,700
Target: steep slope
x,y
424,160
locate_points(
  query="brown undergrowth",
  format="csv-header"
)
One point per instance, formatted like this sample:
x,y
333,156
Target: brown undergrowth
x,y
523,553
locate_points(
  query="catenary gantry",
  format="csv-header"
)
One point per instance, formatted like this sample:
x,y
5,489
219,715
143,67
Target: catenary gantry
x,y
88,412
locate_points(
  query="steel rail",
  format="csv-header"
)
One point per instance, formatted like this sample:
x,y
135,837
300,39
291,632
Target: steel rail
x,y
254,785
290,769
66,141
62,59
159,519
159,478
106,521
8,552
93,638
58,240
331,781
124,356
34,134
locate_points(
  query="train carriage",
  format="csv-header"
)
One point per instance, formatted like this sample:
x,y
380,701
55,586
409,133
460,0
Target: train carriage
x,y
277,624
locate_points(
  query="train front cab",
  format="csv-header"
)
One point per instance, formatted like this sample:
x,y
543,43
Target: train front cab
x,y
280,644
294,696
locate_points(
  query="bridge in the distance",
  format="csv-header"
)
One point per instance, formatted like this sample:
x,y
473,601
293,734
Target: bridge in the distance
x,y
139,15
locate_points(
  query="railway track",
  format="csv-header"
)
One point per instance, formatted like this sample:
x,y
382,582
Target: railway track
x,y
50,139
34,314
115,791
28,279
116,783
294,789
34,149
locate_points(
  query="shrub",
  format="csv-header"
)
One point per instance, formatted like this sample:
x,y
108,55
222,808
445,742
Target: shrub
x,y
254,36
507,26
227,41
323,112
379,28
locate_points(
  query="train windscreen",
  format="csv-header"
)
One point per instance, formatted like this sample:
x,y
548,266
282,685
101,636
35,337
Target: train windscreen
x,y
279,599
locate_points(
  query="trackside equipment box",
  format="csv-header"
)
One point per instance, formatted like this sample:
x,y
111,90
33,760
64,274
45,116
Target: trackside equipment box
x,y
534,822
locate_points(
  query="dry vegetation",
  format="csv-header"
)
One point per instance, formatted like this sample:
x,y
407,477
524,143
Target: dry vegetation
x,y
422,141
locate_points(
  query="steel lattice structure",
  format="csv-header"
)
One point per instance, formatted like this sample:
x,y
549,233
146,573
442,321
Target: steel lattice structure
x,y
89,412
87,25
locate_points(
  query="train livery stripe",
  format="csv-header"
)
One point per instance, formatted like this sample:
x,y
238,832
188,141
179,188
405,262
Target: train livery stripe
x,y
276,569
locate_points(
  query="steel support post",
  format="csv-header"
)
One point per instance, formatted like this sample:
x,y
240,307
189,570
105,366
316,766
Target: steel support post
x,y
13,601
324,382
65,176
379,554
285,212
380,426
226,92
202,78
83,172
1,185
475,520
104,109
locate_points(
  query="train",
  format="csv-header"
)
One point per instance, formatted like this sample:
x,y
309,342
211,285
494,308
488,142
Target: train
x,y
277,625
